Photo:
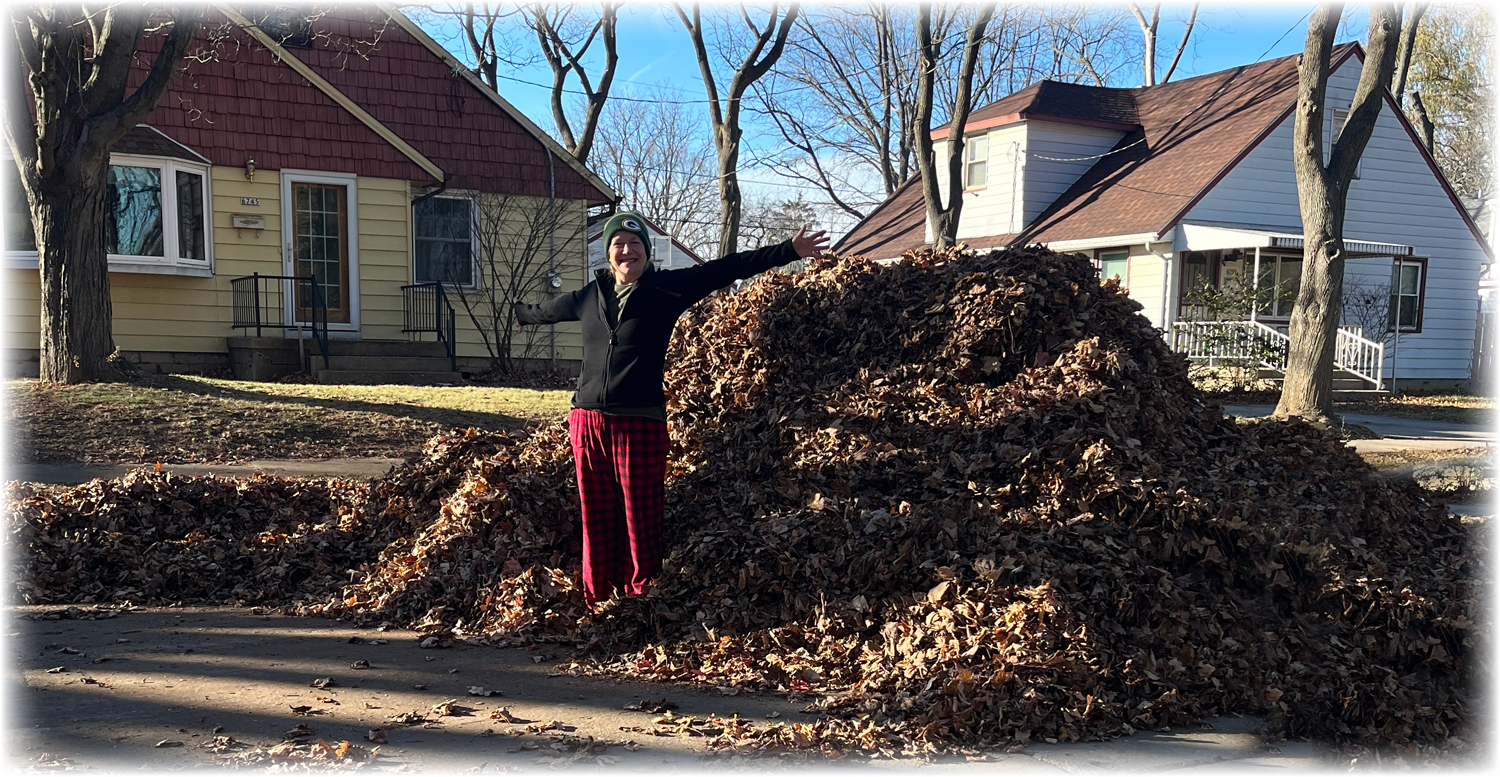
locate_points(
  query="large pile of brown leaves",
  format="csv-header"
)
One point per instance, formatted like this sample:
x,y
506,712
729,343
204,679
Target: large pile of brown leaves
x,y
967,500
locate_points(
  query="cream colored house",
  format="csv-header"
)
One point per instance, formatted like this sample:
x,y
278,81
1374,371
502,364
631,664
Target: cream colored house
x,y
382,179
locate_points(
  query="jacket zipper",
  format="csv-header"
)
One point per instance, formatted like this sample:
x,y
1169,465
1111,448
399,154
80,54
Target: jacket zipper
x,y
609,353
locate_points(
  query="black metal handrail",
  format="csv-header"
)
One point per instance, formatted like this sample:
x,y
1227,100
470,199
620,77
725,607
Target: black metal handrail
x,y
260,301
426,309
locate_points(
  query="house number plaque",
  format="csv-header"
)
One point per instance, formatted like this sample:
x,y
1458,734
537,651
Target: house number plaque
x,y
249,200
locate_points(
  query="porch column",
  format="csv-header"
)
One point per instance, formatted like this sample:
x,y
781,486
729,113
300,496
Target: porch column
x,y
1255,283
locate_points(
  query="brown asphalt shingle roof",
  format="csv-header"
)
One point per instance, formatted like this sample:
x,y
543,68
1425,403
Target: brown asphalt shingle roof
x,y
1188,133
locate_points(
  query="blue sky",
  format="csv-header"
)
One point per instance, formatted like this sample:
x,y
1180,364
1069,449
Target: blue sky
x,y
655,52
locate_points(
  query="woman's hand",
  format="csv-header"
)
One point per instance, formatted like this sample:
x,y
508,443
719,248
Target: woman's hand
x,y
807,245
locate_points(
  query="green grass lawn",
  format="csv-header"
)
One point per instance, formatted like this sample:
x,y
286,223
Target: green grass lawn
x,y
183,418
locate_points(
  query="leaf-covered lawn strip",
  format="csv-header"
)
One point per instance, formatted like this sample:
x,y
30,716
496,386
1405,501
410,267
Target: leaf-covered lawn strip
x,y
1450,408
185,419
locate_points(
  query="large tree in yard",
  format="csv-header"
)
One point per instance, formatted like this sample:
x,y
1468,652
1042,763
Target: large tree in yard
x,y
65,107
1322,192
944,217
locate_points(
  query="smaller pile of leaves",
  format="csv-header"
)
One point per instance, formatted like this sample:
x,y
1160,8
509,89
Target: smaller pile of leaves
x,y
154,537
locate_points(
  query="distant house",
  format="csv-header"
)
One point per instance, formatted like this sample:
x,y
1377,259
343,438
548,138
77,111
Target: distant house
x,y
1482,210
1191,183
349,148
666,252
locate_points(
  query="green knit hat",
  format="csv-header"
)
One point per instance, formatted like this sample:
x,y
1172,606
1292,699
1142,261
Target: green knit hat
x,y
627,222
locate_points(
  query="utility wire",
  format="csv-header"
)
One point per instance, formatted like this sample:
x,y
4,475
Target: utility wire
x,y
1199,107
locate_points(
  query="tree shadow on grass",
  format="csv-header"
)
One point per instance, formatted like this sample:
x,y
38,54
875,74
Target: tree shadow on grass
x,y
444,416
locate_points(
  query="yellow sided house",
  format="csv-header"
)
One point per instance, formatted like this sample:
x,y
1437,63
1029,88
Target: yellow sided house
x,y
335,194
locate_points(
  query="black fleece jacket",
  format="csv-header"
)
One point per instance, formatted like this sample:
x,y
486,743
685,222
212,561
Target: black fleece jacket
x,y
623,367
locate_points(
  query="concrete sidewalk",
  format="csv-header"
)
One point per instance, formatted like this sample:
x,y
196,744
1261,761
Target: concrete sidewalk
x,y
1402,433
103,693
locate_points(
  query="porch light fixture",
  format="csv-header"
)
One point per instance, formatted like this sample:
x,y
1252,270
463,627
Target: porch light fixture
x,y
250,169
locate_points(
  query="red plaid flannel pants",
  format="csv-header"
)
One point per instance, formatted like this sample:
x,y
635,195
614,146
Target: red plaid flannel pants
x,y
622,467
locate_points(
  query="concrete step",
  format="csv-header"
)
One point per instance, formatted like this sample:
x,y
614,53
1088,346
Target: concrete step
x,y
339,361
426,348
377,378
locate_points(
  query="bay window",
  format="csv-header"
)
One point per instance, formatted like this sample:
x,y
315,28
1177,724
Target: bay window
x,y
156,217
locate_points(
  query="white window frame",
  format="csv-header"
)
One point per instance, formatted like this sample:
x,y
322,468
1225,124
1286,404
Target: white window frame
x,y
170,263
474,244
1099,265
1418,309
16,260
970,160
1336,119
288,263
661,251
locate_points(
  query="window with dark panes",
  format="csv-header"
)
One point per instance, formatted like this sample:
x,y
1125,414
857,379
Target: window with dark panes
x,y
1406,295
191,239
19,235
134,214
1276,287
287,26
444,241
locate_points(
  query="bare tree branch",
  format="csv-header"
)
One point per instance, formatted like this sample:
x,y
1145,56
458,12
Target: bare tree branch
x,y
1187,32
1408,45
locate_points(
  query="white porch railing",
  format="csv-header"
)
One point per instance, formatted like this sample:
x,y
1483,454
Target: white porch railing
x,y
1361,356
1255,343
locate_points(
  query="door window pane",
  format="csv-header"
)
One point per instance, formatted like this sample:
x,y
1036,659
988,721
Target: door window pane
x,y
444,246
134,213
320,239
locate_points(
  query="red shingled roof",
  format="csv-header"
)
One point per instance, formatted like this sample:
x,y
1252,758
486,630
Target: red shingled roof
x,y
243,103
1185,135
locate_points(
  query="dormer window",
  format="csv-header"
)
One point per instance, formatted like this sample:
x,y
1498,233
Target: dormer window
x,y
976,154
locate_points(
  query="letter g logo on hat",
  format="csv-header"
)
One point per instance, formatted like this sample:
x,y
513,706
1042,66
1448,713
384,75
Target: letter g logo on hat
x,y
631,224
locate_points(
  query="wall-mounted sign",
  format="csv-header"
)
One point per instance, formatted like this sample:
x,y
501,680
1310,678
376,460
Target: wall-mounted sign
x,y
247,221
249,200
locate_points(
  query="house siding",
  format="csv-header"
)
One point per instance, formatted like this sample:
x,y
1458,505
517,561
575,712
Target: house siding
x,y
1057,155
1398,200
531,342
1147,281
384,256
996,207
175,314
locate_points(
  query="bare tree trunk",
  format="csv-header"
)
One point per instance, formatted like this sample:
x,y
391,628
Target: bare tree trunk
x,y
77,337
1322,190
726,117
944,220
1423,120
1403,59
1148,32
75,67
564,56
1187,33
